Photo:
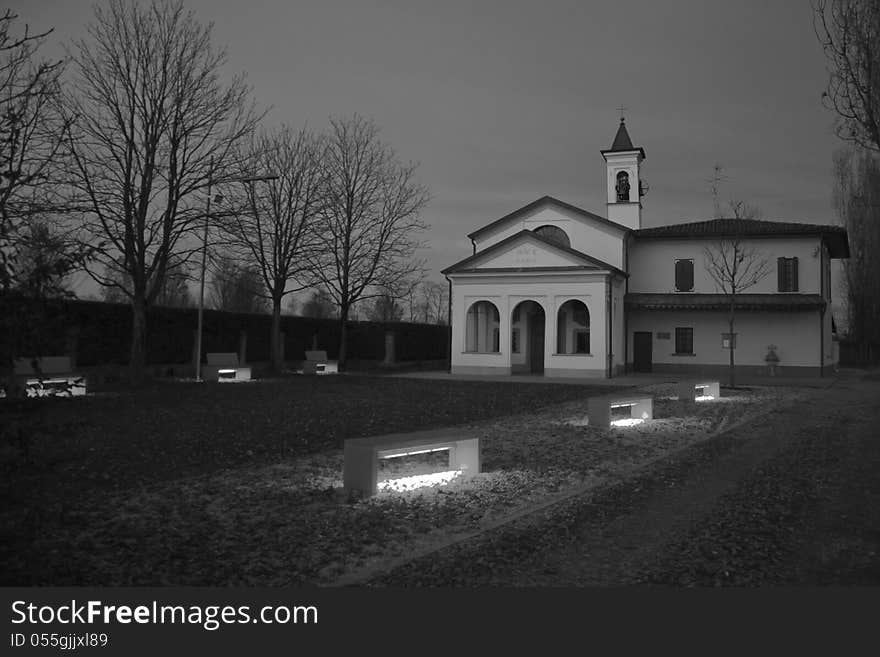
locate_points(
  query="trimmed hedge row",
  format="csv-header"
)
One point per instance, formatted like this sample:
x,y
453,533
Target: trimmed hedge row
x,y
100,333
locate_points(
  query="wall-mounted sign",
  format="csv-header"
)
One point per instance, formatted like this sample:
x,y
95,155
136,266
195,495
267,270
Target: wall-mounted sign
x,y
728,340
664,335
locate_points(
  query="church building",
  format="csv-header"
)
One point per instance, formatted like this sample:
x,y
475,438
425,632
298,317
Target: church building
x,y
555,290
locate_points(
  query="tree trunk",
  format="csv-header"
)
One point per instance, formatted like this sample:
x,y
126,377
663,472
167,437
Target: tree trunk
x,y
138,357
275,345
343,336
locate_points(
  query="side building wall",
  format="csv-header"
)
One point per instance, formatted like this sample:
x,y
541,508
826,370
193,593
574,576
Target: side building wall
x,y
796,336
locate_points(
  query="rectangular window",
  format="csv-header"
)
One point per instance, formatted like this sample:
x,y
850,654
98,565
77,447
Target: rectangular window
x,y
582,341
684,340
787,274
514,340
684,275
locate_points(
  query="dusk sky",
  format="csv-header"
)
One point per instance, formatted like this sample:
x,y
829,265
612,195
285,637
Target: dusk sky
x,y
503,102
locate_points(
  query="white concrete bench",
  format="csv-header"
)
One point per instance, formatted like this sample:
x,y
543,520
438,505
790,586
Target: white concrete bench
x,y
687,390
641,407
49,376
225,367
316,363
361,457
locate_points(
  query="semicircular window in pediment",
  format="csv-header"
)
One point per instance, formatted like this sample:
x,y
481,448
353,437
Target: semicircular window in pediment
x,y
553,234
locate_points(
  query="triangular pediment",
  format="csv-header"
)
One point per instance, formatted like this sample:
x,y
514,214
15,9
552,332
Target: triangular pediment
x,y
524,251
551,208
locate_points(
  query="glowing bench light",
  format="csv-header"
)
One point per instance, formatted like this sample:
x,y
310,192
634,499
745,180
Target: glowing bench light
x,y
361,458
316,363
418,481
224,367
53,376
687,390
641,408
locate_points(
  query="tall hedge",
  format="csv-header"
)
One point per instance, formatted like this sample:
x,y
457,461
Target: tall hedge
x,y
102,331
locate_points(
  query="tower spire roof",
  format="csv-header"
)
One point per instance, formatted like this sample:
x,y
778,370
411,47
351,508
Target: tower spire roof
x,y
622,142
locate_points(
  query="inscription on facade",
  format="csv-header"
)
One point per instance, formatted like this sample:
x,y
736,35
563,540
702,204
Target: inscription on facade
x,y
525,255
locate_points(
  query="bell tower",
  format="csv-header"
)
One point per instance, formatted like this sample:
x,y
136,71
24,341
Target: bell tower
x,y
623,163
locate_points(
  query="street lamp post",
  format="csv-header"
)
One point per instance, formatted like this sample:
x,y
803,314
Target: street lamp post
x,y
217,199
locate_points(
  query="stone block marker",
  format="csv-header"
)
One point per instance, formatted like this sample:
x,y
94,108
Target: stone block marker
x,y
361,455
224,366
690,389
599,408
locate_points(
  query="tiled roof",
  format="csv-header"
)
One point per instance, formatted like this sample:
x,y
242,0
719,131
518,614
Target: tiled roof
x,y
834,235
784,302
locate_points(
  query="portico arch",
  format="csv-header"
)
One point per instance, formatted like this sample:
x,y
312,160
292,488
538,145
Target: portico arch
x,y
482,329
527,338
573,328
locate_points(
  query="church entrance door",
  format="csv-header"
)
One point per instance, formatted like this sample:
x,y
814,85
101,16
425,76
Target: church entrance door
x,y
536,341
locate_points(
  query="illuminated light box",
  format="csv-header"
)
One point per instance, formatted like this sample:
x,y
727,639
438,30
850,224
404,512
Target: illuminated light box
x,y
413,482
362,456
708,390
49,376
224,367
316,362
599,410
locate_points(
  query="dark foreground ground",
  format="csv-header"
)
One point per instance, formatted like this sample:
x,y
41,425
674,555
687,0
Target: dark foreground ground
x,y
793,499
61,456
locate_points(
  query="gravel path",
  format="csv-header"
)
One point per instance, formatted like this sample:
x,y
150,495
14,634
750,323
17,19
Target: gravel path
x,y
792,498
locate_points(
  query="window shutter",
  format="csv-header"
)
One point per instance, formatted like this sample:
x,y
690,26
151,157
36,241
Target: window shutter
x,y
780,274
794,274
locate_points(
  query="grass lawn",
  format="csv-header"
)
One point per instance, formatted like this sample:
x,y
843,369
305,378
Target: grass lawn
x,y
240,484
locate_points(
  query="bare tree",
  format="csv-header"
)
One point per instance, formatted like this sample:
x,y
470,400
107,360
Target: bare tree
x,y
428,303
735,266
236,287
154,127
276,231
369,219
857,200
319,305
849,31
31,134
173,293
384,308
46,257
435,300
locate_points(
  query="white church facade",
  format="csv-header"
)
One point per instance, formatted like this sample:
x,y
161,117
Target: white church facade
x,y
554,290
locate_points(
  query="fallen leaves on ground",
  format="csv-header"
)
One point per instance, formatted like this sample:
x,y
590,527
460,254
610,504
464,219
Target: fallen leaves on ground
x,y
283,520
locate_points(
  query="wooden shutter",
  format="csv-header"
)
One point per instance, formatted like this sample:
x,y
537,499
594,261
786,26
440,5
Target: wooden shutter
x,y
793,280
